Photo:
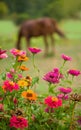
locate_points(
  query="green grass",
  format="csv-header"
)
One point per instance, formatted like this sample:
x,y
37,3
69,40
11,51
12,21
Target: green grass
x,y
71,47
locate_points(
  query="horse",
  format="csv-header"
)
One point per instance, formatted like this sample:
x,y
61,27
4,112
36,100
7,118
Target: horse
x,y
39,27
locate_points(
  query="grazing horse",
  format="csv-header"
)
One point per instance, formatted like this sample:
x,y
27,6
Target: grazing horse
x,y
39,27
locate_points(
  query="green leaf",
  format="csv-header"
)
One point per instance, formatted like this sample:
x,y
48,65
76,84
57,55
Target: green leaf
x,y
35,80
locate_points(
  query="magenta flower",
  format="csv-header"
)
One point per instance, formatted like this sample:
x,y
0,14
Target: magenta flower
x,y
66,58
9,75
53,102
17,52
10,86
18,122
53,76
63,96
2,51
34,50
74,72
65,90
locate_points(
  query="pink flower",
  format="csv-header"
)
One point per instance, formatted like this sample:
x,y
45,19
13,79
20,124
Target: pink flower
x,y
63,96
53,102
2,51
1,107
66,58
9,75
18,122
10,86
74,72
53,76
20,76
17,52
3,56
34,50
65,90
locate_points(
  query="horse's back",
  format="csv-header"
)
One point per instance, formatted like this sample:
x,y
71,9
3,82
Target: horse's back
x,y
38,27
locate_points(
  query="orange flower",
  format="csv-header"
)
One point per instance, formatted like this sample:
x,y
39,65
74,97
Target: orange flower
x,y
29,94
22,58
22,83
23,68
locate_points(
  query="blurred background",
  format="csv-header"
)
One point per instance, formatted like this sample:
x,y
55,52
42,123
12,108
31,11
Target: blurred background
x,y
66,12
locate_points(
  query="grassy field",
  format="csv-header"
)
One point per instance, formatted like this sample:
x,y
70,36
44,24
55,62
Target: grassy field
x,y
71,47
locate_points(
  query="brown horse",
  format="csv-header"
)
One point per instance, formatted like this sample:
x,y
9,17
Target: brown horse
x,y
39,27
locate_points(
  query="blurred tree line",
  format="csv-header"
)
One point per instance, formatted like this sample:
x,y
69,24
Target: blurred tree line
x,y
19,10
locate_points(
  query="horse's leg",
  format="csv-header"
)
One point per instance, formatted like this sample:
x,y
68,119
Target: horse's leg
x,y
52,44
19,40
46,45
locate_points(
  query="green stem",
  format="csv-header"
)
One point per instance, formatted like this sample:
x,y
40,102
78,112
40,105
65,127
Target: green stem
x,y
72,117
35,67
62,66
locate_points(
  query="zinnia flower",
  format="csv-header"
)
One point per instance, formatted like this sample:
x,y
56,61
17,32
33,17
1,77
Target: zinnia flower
x,y
74,72
18,122
3,55
10,86
53,76
2,51
65,90
30,95
34,50
66,58
22,58
22,83
17,52
63,96
23,68
53,102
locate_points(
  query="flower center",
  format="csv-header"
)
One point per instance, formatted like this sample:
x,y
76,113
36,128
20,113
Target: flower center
x,y
54,99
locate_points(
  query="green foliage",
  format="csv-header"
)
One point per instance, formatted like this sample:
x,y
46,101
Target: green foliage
x,y
19,18
3,9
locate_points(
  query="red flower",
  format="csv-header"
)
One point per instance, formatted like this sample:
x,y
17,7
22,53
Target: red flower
x,y
66,58
18,122
10,86
53,102
74,72
34,50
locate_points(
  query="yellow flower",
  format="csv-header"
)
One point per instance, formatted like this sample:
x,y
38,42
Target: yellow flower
x,y
22,83
29,94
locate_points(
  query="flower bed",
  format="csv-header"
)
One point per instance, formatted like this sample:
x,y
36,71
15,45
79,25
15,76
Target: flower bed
x,y
23,109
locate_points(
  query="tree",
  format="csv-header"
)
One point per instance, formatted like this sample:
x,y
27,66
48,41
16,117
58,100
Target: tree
x,y
3,9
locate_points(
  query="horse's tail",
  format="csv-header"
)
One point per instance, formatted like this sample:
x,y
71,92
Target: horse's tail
x,y
19,39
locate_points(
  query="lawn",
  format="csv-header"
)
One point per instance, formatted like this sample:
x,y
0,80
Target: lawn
x,y
71,47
